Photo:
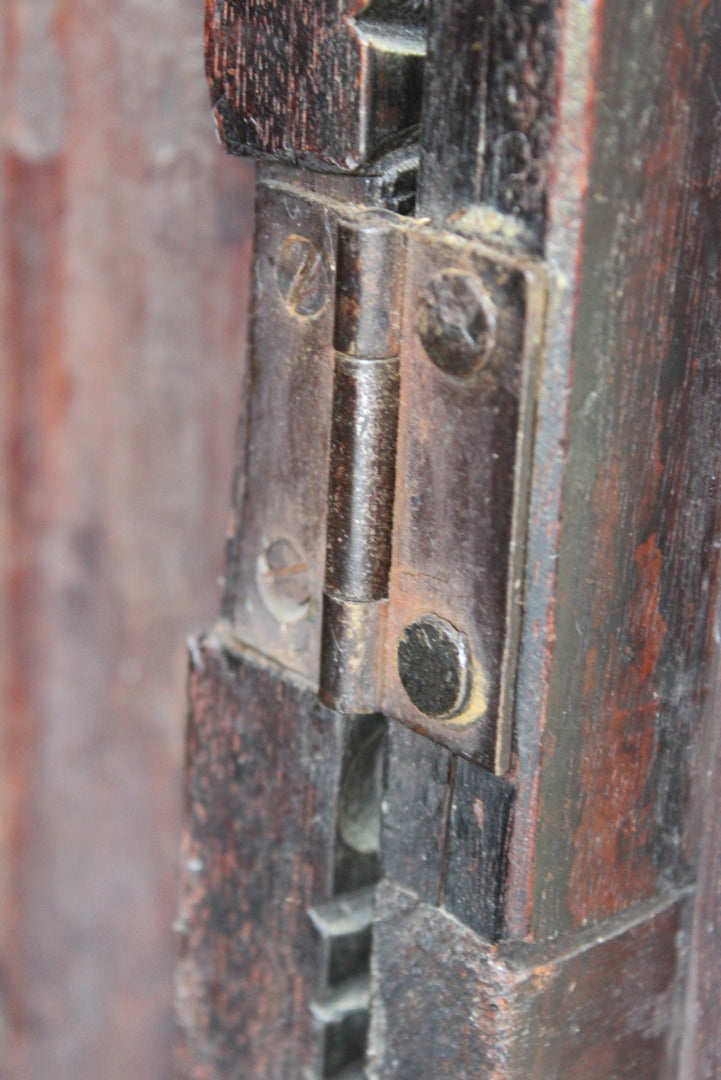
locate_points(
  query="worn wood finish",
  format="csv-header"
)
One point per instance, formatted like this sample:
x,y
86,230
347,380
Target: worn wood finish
x,y
699,1026
598,1006
488,114
418,785
327,84
124,245
605,763
589,141
251,957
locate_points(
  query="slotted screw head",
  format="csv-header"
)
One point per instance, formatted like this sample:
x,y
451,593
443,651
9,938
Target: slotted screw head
x,y
434,666
456,322
284,581
302,276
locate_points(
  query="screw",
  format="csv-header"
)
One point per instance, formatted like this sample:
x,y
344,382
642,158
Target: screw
x,y
283,581
456,322
302,276
434,666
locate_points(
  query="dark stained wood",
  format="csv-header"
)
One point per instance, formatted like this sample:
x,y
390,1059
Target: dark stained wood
x,y
637,561
488,113
251,959
418,785
310,83
699,1023
475,870
124,248
534,925
600,1007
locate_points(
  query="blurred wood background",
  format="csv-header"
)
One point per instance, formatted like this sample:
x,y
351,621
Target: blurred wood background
x,y
124,253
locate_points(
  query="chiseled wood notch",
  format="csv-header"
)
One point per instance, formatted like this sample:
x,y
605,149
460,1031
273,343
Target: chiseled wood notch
x,y
488,113
326,84
281,853
594,1006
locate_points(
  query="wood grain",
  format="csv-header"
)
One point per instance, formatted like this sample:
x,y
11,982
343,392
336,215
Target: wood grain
x,y
304,83
698,1024
488,112
123,263
251,959
587,133
596,1008
637,563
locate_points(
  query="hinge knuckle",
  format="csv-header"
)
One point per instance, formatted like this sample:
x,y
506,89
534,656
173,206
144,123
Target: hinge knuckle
x,y
364,428
362,476
351,648
381,527
369,283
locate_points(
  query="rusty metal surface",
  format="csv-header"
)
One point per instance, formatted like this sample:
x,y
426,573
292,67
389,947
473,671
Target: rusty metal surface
x,y
283,477
470,329
362,460
351,651
362,477
460,444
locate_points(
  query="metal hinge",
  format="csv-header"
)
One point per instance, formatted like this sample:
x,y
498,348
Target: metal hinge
x,y
380,530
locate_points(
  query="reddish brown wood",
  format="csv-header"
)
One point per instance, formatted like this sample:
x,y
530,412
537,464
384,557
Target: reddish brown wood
x,y
307,83
533,925
599,1005
123,263
608,722
251,956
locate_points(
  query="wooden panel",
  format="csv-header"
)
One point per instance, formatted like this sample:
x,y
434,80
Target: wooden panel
x,y
637,565
251,958
419,785
592,132
476,849
123,262
488,115
698,1024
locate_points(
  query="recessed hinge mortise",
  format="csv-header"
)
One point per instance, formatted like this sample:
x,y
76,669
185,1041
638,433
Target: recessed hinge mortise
x,y
379,544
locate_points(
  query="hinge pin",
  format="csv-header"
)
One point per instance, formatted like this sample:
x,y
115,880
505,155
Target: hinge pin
x,y
362,460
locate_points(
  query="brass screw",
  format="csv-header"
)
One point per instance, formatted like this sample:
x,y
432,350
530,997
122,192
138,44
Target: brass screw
x,y
283,581
302,276
434,666
456,322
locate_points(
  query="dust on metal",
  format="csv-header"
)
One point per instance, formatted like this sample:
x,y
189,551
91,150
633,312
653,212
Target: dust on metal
x,y
456,322
302,276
